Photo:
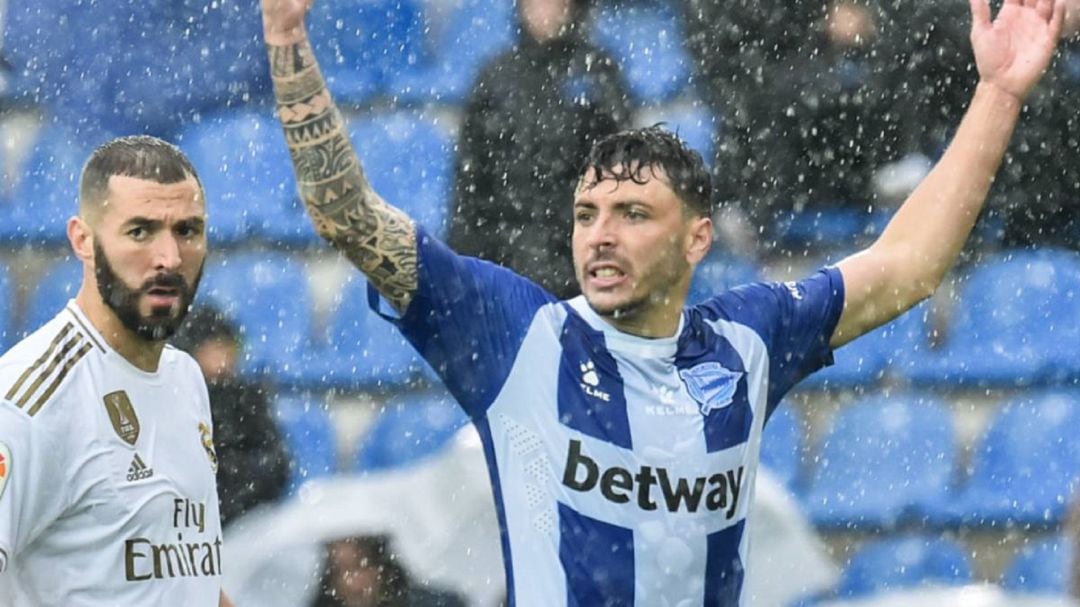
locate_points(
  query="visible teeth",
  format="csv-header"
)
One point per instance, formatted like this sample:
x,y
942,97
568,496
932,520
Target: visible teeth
x,y
607,273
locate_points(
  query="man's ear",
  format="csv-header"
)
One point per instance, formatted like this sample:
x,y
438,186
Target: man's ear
x,y
81,238
701,238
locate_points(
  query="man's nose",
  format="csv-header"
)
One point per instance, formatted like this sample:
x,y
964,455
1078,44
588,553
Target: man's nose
x,y
166,253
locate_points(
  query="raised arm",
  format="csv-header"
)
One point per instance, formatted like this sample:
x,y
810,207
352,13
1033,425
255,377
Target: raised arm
x,y
379,239
910,259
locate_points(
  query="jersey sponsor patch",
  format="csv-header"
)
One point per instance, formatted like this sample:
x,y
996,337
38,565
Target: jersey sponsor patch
x,y
122,415
5,467
711,385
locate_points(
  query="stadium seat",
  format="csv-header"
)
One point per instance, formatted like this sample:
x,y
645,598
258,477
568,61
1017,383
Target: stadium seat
x,y
268,296
882,462
474,33
361,350
720,272
411,428
50,294
46,193
692,121
782,446
1044,567
646,39
888,349
409,159
7,310
362,43
1016,323
245,167
310,436
905,562
826,227
1025,468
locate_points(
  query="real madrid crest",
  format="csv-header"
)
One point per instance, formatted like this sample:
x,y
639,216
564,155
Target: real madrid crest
x,y
208,444
122,415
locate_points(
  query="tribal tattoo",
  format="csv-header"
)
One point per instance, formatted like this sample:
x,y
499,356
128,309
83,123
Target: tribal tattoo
x,y
376,237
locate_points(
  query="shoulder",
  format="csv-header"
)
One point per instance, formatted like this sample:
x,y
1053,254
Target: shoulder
x,y
36,371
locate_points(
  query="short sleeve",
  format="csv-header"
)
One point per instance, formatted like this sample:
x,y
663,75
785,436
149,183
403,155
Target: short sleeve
x,y
468,318
795,319
30,482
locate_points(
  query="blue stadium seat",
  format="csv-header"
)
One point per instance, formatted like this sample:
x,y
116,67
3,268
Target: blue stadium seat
x,y
475,32
47,187
826,227
905,562
310,436
720,272
409,159
1044,567
882,462
1026,467
646,39
1017,322
692,121
782,445
51,293
361,350
890,348
7,310
411,428
268,296
245,167
362,43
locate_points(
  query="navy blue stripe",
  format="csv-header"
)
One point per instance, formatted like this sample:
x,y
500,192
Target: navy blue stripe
x,y
729,425
484,430
592,398
724,570
598,560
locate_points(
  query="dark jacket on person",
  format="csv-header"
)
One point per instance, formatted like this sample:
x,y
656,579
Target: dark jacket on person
x,y
530,121
253,464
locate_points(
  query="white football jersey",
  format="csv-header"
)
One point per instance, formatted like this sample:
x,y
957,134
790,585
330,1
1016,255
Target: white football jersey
x,y
107,490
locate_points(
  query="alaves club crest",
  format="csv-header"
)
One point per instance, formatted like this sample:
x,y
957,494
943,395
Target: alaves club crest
x,y
122,415
711,385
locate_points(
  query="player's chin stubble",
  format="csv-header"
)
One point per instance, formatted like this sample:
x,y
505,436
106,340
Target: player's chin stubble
x,y
124,300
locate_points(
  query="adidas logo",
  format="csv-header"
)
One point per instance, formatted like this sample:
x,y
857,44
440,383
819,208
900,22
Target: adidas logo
x,y
139,470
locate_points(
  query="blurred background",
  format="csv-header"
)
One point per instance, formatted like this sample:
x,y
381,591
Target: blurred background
x,y
940,452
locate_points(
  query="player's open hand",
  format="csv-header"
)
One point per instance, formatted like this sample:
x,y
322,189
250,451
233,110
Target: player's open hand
x,y
1013,50
283,21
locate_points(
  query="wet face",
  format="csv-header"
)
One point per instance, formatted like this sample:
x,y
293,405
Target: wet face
x,y
149,250
357,580
632,245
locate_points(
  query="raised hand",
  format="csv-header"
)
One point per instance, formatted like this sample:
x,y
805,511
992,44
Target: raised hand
x,y
283,21
1013,50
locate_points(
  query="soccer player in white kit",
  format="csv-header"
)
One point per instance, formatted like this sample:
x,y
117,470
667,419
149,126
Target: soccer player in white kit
x,y
107,490
622,429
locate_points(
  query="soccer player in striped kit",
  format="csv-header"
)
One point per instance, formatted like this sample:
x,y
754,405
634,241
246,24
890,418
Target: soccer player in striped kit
x,y
622,429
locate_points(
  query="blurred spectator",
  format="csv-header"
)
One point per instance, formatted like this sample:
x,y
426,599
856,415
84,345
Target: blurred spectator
x,y
534,111
834,129
253,466
737,47
364,572
1037,191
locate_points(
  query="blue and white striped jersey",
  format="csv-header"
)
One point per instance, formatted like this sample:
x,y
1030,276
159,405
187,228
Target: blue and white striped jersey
x,y
623,468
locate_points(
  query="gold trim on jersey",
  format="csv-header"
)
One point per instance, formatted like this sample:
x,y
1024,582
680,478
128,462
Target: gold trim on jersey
x,y
26,374
64,359
59,378
86,330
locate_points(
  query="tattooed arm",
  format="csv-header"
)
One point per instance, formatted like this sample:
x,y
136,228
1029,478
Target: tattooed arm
x,y
379,239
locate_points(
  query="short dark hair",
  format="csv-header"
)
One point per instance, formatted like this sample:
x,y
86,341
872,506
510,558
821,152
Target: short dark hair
x,y
627,155
139,156
205,323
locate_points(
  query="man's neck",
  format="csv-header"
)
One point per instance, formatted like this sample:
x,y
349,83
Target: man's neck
x,y
657,322
143,354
